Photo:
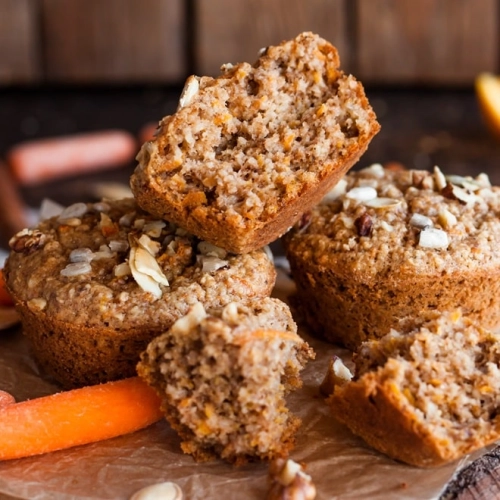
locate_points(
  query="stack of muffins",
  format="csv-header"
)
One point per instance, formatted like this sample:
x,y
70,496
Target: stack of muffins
x,y
400,266
180,273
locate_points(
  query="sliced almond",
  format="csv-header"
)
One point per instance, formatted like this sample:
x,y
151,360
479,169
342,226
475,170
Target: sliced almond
x,y
463,196
154,228
210,250
377,170
483,180
439,178
211,264
49,209
81,255
160,491
421,221
336,192
433,238
153,247
146,264
76,269
146,282
75,210
382,203
191,88
362,193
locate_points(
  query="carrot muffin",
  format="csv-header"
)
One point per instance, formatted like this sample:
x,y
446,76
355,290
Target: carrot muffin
x,y
223,375
248,152
385,248
95,284
426,397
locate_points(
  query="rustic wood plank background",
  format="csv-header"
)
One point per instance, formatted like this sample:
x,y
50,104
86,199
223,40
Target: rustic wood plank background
x,y
20,59
234,31
429,42
426,41
114,40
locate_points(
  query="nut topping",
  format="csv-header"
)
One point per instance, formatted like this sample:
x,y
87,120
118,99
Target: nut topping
x,y
336,374
439,178
27,241
382,203
160,491
193,318
76,210
421,221
145,269
431,237
189,91
364,225
362,193
76,269
453,192
336,192
289,481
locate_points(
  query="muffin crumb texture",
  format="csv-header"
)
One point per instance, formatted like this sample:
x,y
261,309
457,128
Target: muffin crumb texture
x,y
223,375
247,152
426,397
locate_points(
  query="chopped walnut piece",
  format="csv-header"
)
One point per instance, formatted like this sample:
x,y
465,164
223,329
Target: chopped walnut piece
x,y
454,192
288,481
364,225
27,241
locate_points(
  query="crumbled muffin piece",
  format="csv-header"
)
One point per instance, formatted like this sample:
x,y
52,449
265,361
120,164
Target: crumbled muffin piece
x,y
248,152
392,246
426,397
223,375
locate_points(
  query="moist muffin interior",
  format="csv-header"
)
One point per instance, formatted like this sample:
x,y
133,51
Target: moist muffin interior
x,y
223,380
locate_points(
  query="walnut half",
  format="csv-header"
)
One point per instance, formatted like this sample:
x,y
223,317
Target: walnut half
x,y
27,241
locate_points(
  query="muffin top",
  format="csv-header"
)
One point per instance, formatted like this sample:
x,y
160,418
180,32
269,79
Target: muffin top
x,y
377,221
110,263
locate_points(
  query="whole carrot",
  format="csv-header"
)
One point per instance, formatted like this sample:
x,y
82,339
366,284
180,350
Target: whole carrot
x,y
42,160
76,417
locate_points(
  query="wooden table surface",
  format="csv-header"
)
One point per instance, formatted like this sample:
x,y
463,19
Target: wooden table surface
x,y
420,128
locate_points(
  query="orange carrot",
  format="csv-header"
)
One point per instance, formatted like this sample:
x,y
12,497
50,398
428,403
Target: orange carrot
x,y
6,399
76,417
5,298
45,159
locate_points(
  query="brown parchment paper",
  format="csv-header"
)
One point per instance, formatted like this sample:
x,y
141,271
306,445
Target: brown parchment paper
x,y
341,465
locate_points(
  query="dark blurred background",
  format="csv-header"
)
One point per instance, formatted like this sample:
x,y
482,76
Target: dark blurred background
x,y
68,66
